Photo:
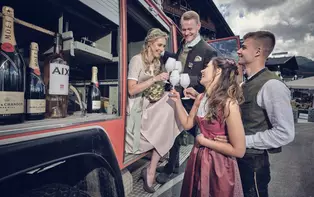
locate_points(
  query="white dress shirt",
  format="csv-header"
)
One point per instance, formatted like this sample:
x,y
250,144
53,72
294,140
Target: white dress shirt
x,y
274,97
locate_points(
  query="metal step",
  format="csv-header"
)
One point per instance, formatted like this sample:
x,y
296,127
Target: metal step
x,y
138,186
127,181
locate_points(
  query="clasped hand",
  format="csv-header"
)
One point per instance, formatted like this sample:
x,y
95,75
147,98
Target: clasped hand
x,y
162,77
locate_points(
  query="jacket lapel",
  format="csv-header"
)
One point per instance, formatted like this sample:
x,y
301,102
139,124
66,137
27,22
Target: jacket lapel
x,y
191,55
180,49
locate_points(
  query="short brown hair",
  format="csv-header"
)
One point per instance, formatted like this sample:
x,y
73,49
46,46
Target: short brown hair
x,y
188,15
266,38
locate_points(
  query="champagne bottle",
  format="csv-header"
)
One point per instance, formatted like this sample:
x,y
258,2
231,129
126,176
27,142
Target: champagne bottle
x,y
12,73
93,96
35,89
56,78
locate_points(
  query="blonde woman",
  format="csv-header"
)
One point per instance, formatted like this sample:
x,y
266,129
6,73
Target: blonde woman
x,y
151,122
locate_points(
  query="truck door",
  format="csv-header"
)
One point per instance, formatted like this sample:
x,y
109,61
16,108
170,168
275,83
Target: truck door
x,y
142,15
228,47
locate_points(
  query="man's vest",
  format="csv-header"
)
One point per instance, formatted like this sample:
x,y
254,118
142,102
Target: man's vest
x,y
183,56
254,117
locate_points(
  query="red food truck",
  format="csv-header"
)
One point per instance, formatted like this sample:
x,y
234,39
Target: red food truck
x,y
81,154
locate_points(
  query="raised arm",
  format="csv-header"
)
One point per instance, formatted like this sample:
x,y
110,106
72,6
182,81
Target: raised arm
x,y
135,68
236,146
187,120
135,88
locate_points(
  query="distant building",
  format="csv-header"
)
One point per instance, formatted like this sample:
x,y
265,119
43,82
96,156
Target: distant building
x,y
285,67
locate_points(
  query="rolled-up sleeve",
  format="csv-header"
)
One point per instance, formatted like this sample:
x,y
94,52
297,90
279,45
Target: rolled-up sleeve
x,y
135,68
275,98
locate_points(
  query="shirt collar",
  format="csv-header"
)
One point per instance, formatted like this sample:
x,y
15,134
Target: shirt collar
x,y
193,42
250,77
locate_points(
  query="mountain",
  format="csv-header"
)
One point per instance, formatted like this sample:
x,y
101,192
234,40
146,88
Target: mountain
x,y
302,60
306,66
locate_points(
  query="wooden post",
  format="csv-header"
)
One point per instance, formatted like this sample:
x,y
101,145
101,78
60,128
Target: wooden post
x,y
32,26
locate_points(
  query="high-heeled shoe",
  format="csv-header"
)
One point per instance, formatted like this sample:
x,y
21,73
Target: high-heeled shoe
x,y
145,184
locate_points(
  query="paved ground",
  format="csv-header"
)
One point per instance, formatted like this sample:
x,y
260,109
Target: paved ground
x,y
292,170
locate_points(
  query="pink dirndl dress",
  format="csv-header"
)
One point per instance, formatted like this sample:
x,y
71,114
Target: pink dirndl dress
x,y
209,173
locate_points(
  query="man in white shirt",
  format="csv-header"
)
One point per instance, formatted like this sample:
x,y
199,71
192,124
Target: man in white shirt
x,y
266,113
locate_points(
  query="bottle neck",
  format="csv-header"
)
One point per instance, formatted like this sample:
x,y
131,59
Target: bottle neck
x,y
94,76
57,49
33,61
57,45
7,35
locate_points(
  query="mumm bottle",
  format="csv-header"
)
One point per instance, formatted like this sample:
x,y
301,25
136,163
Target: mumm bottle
x,y
35,88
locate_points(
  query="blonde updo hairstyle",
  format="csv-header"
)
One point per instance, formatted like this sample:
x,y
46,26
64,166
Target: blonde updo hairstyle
x,y
152,35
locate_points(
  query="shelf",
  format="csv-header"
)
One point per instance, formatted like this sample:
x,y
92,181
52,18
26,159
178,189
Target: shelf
x,y
89,54
38,125
83,53
115,59
101,82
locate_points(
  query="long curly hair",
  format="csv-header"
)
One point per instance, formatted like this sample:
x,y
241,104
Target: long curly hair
x,y
227,87
152,35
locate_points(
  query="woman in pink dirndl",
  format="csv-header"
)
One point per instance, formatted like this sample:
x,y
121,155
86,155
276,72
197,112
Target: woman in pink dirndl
x,y
212,169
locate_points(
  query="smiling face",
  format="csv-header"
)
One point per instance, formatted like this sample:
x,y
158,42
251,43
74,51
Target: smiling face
x,y
248,52
190,29
209,74
158,46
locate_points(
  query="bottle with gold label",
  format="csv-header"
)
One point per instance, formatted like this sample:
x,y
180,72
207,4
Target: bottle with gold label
x,y
93,96
35,88
12,73
56,78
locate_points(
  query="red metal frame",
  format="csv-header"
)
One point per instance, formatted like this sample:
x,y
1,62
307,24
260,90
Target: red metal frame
x,y
160,13
228,38
114,128
123,75
169,22
174,38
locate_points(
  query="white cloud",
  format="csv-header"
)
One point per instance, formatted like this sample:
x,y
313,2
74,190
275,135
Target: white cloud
x,y
292,21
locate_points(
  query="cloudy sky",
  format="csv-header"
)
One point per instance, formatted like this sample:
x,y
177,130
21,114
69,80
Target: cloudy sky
x,y
292,21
